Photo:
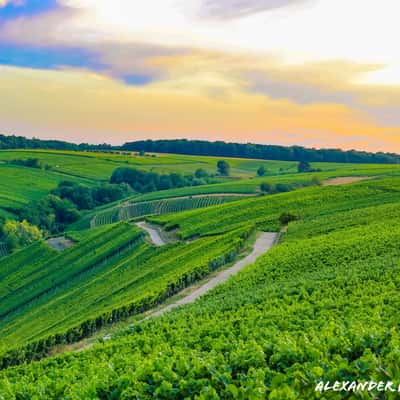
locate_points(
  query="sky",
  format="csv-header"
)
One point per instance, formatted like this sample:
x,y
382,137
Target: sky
x,y
317,73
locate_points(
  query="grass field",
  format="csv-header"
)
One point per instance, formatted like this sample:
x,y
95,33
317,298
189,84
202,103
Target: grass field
x,y
99,166
321,305
22,184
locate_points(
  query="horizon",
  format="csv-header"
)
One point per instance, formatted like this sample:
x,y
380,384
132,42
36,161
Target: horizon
x,y
276,72
121,144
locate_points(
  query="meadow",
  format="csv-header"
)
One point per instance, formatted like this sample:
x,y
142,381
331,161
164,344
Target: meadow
x,y
321,305
21,185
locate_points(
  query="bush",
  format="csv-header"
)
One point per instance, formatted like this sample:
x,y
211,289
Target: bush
x,y
143,182
201,173
20,234
267,187
30,163
287,217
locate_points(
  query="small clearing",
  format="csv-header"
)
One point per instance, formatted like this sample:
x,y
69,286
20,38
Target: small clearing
x,y
344,180
60,243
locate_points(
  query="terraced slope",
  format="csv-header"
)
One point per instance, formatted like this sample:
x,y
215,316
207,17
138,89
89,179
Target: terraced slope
x,y
265,211
109,274
3,250
127,211
317,307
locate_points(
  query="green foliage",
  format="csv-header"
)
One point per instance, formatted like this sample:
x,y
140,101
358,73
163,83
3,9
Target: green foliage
x,y
51,214
118,276
287,217
86,198
305,166
223,167
315,309
134,210
267,187
31,163
20,234
265,211
250,150
261,171
142,181
201,173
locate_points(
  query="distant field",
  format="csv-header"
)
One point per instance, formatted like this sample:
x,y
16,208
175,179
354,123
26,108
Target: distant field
x,y
19,185
99,166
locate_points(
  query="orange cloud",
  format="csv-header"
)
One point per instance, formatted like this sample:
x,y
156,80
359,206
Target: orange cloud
x,y
81,105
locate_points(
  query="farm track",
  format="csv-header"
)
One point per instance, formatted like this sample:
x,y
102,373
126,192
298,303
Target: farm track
x,y
154,233
263,243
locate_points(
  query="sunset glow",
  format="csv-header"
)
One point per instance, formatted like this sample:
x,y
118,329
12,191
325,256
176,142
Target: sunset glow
x,y
309,72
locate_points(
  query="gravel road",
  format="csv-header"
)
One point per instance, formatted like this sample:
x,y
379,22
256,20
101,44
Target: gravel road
x,y
263,243
155,236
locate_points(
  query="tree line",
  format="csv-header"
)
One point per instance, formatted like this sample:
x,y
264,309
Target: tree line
x,y
260,151
206,148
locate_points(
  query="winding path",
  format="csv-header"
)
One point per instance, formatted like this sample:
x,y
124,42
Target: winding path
x,y
263,243
154,233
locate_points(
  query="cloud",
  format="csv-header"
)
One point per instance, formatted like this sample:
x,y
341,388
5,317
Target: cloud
x,y
16,3
238,8
79,104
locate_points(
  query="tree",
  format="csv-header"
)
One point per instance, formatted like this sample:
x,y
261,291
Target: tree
x,y
20,234
51,213
223,167
304,166
261,171
201,173
284,187
267,187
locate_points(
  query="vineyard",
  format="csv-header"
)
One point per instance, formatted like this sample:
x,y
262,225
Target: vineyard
x,y
20,184
322,305
134,210
3,250
103,278
265,211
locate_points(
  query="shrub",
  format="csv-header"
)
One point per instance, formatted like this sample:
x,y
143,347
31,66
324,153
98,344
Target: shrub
x,y
287,217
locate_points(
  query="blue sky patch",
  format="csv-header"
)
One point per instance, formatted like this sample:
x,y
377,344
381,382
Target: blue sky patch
x,y
48,58
27,8
136,80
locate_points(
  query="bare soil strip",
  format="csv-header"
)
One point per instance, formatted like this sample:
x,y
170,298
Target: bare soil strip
x,y
344,180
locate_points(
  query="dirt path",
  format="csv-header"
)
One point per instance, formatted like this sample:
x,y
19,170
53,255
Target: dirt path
x,y
344,180
263,243
155,236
